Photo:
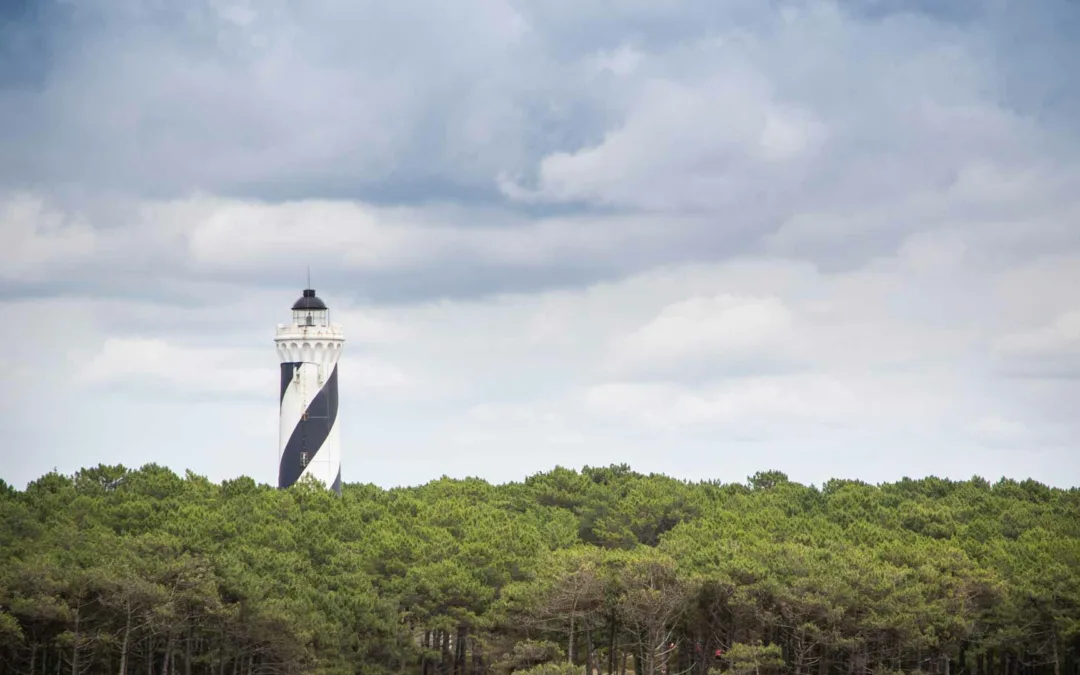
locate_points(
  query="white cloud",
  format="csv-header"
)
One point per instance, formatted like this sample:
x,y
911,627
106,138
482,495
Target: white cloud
x,y
699,335
182,369
205,240
698,237
1001,432
1051,351
621,62
518,382
748,406
684,146
730,121
495,422
35,240
373,374
1036,290
238,234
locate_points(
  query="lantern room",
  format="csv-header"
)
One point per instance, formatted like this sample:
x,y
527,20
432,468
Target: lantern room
x,y
309,310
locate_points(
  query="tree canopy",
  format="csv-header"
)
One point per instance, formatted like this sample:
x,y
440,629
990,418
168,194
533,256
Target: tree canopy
x,y
603,570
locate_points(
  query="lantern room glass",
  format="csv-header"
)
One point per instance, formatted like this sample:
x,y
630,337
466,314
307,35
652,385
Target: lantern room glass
x,y
309,317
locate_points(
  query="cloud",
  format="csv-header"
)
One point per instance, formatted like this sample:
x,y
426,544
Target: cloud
x,y
329,99
1051,351
751,405
491,423
696,237
684,147
252,236
36,240
518,382
702,335
211,372
811,137
260,99
169,370
170,249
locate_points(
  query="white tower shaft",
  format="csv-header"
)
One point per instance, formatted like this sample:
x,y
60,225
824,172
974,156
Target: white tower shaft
x,y
309,434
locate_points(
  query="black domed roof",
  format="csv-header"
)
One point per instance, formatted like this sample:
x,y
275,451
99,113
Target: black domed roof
x,y
309,301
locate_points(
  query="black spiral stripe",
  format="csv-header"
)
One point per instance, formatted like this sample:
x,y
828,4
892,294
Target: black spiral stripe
x,y
288,371
309,434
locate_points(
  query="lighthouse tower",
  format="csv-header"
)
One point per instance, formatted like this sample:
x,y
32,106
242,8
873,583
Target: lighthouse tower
x,y
309,435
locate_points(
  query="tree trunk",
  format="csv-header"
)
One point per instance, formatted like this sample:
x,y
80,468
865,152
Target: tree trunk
x,y
570,646
424,661
444,665
613,655
75,646
124,643
650,656
168,656
475,657
588,653
462,638
187,652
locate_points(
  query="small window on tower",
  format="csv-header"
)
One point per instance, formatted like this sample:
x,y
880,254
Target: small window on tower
x,y
303,459
303,416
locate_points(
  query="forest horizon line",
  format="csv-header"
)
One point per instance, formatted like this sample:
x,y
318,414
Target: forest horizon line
x,y
189,474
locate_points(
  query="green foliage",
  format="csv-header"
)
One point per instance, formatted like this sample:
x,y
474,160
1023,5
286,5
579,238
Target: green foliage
x,y
552,669
123,571
530,656
754,659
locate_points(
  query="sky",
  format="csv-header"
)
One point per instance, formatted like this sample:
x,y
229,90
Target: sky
x,y
703,238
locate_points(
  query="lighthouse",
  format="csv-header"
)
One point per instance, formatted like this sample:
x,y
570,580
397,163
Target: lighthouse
x,y
309,437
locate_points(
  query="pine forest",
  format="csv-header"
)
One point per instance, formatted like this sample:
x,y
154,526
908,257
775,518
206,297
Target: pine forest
x,y
115,571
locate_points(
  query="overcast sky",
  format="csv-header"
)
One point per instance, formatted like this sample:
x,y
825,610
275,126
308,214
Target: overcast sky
x,y
704,238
